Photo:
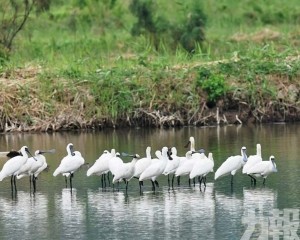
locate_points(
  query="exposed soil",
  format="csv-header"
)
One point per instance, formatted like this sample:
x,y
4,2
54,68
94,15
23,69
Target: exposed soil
x,y
70,115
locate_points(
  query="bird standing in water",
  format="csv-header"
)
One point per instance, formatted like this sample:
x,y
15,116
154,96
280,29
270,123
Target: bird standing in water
x,y
70,163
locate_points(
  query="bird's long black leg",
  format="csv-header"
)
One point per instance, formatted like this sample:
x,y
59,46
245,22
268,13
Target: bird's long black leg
x,y
71,176
200,181
108,179
189,182
231,179
153,186
178,180
126,186
34,183
156,183
264,181
194,181
30,183
11,183
173,181
104,180
204,181
141,184
66,181
253,180
15,183
169,181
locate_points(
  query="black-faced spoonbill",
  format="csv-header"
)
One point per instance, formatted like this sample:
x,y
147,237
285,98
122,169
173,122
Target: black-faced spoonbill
x,y
141,166
125,171
13,165
70,163
34,166
232,165
202,167
253,160
172,166
186,166
101,166
156,168
263,168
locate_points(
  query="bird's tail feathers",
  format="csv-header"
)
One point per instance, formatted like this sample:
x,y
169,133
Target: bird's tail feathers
x,y
1,176
56,172
90,172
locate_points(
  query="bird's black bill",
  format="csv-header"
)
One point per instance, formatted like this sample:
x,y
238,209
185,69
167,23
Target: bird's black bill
x,y
27,150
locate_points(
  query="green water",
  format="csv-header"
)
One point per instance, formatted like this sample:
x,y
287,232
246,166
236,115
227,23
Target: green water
x,y
219,212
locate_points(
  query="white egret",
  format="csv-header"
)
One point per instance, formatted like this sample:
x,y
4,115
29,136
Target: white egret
x,y
263,168
13,165
232,165
202,167
253,160
70,163
156,168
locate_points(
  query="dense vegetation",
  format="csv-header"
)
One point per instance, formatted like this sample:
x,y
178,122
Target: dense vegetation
x,y
95,64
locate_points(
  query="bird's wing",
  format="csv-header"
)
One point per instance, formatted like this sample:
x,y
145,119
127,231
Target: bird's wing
x,y
252,160
258,168
231,164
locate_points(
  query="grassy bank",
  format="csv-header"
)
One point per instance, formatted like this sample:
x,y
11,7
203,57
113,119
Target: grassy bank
x,y
79,67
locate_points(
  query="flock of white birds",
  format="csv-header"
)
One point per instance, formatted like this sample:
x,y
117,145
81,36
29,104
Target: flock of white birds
x,y
195,164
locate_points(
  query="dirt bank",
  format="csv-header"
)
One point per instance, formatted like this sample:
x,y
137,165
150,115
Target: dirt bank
x,y
24,108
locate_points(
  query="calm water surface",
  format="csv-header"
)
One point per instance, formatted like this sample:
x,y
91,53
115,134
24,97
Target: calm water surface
x,y
219,212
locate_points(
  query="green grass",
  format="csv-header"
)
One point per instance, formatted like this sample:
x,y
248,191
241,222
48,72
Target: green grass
x,y
89,58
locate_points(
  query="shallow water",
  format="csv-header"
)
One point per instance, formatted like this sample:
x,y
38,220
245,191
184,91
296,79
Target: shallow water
x,y
219,212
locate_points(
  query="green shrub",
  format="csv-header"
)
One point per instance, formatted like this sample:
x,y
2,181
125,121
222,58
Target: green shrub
x,y
214,85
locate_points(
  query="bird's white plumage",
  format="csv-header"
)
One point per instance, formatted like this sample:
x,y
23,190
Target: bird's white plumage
x,y
232,164
42,168
70,163
192,143
125,170
32,165
203,166
114,164
187,165
253,159
157,167
12,166
101,165
143,163
173,164
263,168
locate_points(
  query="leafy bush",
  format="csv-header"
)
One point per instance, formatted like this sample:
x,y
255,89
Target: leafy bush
x,y
214,85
